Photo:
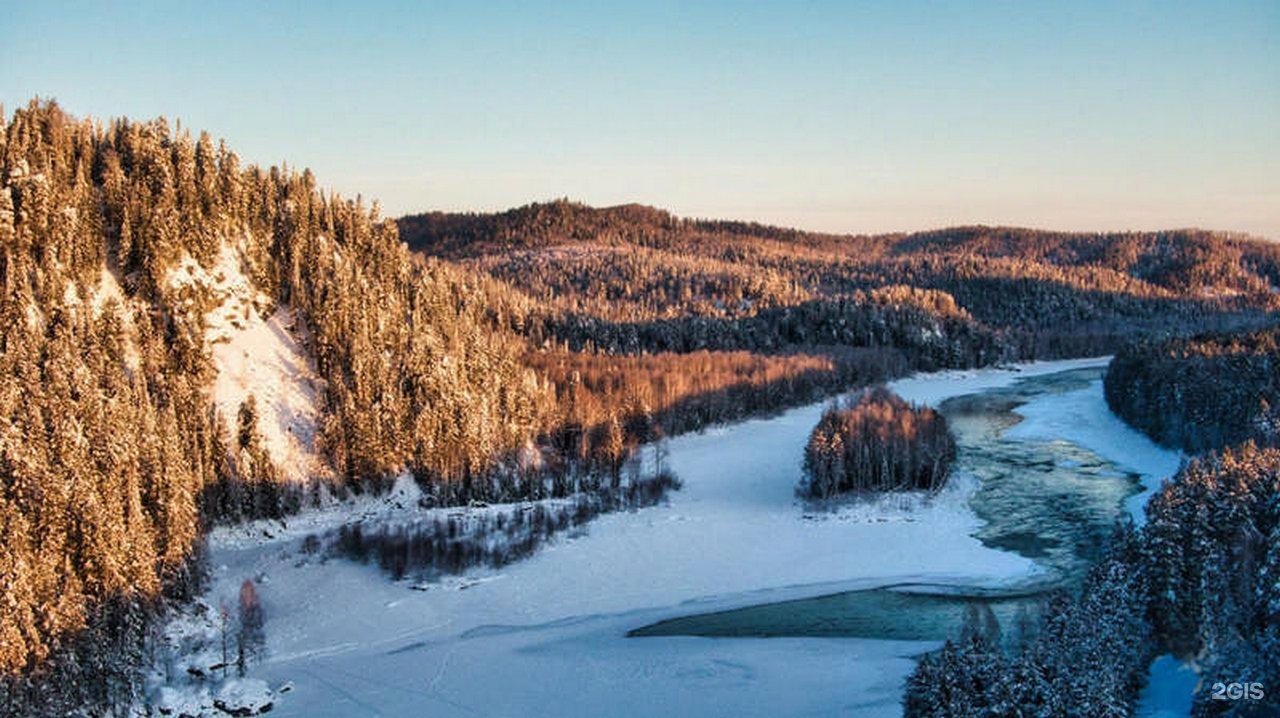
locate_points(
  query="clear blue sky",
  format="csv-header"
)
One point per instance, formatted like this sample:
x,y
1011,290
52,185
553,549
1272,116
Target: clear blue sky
x,y
838,116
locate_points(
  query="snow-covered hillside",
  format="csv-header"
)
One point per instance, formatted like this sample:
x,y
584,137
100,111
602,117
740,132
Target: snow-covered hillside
x,y
258,350
550,631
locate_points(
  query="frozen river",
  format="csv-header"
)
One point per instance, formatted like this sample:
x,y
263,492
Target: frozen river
x,y
548,636
1050,500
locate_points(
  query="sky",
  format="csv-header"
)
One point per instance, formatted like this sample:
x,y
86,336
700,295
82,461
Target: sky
x,y
834,116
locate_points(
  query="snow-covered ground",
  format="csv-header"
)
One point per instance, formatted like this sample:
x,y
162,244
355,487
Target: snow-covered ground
x,y
261,357
258,353
547,636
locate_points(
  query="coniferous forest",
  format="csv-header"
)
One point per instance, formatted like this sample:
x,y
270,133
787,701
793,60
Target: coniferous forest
x,y
1202,392
1198,581
533,355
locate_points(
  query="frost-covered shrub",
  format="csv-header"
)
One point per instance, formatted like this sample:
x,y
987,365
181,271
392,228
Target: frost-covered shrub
x,y
453,544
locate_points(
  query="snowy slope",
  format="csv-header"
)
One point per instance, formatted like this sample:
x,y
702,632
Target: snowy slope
x,y
550,632
259,354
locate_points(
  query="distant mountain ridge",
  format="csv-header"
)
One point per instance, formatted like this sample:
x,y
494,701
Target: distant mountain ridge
x,y
1065,292
1176,259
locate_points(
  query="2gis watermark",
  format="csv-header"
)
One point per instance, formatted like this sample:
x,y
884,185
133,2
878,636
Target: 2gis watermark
x,y
1237,692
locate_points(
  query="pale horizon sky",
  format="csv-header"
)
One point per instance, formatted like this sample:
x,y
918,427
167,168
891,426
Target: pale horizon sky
x,y
844,117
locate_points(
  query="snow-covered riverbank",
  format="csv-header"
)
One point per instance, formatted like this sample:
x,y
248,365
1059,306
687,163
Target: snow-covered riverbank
x,y
1082,417
547,636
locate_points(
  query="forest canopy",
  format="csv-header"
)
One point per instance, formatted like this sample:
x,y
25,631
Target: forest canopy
x,y
877,442
1205,392
618,276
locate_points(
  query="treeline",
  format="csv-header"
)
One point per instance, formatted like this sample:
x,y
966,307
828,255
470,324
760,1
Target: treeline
x,y
1201,393
669,394
877,442
604,407
459,235
924,326
643,283
1185,261
1198,581
1048,293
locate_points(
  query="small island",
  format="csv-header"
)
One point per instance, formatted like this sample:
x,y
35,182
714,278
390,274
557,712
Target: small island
x,y
877,442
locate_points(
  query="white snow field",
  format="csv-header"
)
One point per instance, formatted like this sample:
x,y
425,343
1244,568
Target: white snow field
x,y
258,354
546,636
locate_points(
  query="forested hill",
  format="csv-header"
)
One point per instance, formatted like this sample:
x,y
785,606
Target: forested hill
x,y
1049,293
1202,393
187,340
153,286
1183,260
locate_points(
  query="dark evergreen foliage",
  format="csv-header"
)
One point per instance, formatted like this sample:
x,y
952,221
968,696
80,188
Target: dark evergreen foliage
x,y
1206,392
1199,581
1088,657
1209,555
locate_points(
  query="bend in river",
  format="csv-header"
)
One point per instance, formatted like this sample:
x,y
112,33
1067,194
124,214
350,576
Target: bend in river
x,y
1049,500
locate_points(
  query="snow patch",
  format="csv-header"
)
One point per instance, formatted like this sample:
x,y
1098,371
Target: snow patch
x,y
401,502
110,295
263,358
182,703
244,697
107,291
259,354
